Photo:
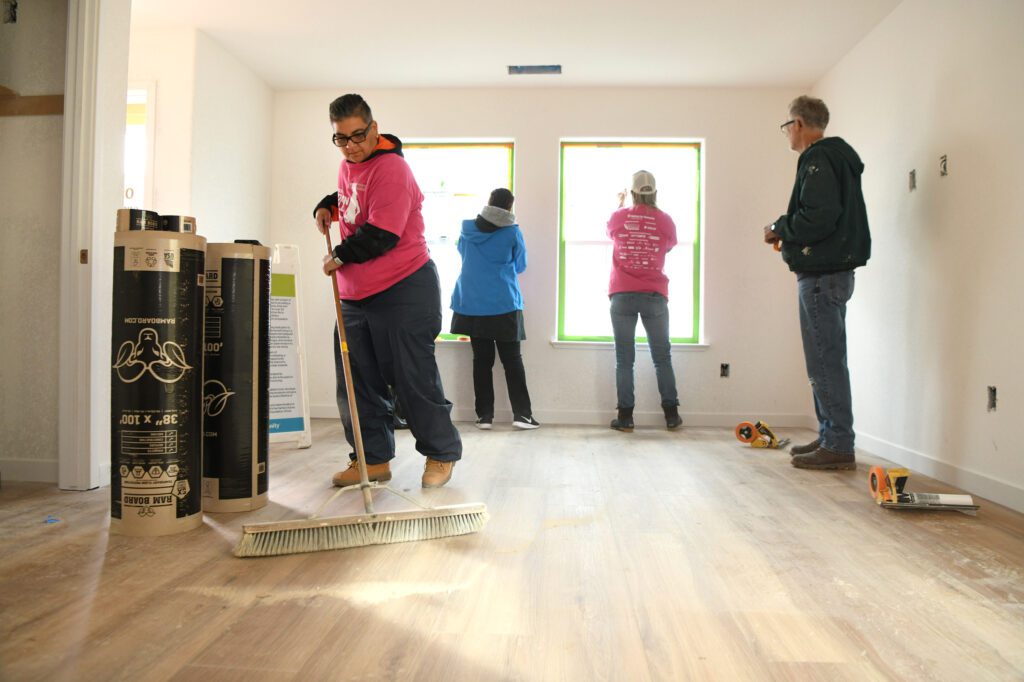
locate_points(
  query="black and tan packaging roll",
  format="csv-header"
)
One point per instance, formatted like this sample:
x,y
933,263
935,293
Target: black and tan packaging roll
x,y
236,393
157,382
129,219
178,223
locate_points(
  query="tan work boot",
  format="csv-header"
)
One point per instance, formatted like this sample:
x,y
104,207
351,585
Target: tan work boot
x,y
350,476
437,473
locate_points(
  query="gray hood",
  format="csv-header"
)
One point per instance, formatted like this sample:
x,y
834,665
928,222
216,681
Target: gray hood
x,y
492,218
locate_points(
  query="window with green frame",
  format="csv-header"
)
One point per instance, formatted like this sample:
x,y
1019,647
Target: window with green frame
x,y
456,179
592,175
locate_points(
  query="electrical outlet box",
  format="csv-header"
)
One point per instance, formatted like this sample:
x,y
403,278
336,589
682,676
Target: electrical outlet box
x,y
913,180
724,370
943,166
991,398
9,11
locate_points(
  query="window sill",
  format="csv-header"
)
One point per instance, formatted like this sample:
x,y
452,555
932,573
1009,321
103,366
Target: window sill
x,y
610,345
452,342
589,345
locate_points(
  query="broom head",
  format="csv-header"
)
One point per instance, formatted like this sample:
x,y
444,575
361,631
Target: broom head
x,y
341,532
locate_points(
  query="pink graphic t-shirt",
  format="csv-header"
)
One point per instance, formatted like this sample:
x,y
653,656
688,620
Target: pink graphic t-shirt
x,y
383,192
641,236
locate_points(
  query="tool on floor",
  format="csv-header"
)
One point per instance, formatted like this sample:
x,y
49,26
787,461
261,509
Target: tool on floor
x,y
759,435
316,534
887,486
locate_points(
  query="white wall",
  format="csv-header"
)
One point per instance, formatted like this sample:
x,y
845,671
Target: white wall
x,y
31,63
938,312
167,59
230,147
211,155
750,297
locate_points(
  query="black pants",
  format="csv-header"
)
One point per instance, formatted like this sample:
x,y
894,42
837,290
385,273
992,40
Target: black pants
x,y
391,344
515,377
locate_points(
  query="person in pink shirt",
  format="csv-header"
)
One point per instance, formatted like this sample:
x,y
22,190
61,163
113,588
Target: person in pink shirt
x,y
641,237
390,298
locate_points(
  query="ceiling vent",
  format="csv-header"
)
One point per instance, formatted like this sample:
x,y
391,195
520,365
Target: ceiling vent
x,y
534,69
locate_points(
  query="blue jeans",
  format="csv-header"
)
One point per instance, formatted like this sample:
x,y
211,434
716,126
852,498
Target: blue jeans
x,y
653,312
823,301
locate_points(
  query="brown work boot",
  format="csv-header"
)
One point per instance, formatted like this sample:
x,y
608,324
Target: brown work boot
x,y
823,458
350,476
436,473
805,449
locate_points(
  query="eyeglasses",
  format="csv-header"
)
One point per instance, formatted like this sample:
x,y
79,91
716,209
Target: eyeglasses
x,y
782,128
359,136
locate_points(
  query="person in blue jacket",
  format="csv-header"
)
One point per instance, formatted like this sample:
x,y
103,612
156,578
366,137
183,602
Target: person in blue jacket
x,y
488,306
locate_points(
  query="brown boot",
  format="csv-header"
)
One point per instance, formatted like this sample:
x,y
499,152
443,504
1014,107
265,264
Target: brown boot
x,y
350,476
823,458
436,473
805,449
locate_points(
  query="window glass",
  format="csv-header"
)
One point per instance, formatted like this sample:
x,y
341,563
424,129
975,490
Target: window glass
x,y
456,179
592,175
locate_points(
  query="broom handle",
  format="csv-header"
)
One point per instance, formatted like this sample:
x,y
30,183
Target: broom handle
x,y
350,391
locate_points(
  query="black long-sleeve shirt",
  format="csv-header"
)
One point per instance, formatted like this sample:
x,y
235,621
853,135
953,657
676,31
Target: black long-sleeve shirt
x,y
366,243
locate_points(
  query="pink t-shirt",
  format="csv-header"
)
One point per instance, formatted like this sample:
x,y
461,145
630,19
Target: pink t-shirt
x,y
384,193
641,236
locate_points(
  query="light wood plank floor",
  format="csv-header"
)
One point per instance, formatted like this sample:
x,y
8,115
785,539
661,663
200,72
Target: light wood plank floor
x,y
609,556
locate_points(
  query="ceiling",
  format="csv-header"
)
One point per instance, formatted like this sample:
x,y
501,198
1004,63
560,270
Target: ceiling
x,y
312,44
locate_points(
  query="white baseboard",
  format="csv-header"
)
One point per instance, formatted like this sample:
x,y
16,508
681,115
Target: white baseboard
x,y
33,470
1000,492
323,411
592,418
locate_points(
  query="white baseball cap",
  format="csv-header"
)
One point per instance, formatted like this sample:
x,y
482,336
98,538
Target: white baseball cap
x,y
643,183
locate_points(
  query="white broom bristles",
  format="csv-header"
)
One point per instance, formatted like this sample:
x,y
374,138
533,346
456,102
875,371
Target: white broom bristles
x,y
319,538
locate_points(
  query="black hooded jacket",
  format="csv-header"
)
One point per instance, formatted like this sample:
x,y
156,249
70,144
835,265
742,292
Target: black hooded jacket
x,y
826,227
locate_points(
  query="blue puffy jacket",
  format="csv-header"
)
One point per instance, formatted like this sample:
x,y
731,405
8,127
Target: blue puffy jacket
x,y
492,255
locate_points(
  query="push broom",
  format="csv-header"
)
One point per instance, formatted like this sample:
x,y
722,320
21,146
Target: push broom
x,y
315,534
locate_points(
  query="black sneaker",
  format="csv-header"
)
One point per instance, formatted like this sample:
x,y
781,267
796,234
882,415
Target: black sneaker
x,y
525,423
805,449
823,458
484,423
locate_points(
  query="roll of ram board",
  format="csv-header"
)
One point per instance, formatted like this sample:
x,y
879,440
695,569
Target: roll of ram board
x,y
157,381
236,390
177,223
137,219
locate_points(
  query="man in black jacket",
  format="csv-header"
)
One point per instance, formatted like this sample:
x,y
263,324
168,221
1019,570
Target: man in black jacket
x,y
824,236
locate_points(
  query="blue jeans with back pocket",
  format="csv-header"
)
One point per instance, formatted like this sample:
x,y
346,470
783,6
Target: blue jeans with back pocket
x,y
823,299
652,309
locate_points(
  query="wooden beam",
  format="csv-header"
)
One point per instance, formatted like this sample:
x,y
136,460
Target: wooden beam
x,y
13,104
